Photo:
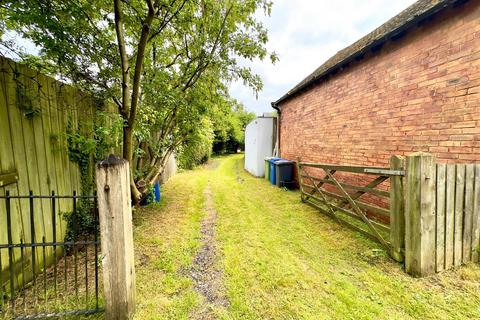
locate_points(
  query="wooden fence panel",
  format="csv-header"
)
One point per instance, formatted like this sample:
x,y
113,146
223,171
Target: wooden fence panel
x,y
34,111
53,179
63,109
35,151
458,206
62,127
56,140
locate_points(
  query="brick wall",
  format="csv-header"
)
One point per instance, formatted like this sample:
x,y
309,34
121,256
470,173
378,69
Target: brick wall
x,y
419,93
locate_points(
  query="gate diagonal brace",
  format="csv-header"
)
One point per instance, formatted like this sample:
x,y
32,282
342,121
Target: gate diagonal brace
x,y
360,212
320,184
358,194
317,189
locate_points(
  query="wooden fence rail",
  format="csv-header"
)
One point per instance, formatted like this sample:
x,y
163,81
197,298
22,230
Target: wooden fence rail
x,y
431,220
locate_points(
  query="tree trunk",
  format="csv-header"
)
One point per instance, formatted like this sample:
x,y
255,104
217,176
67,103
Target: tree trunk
x,y
127,143
141,159
128,155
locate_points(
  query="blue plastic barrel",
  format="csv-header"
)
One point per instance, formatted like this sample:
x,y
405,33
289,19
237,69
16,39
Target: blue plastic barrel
x,y
273,176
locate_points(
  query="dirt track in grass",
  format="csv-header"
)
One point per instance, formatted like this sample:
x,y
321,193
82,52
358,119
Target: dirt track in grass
x,y
206,274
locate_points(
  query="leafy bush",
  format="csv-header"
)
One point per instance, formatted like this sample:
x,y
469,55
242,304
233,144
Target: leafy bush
x,y
230,129
197,148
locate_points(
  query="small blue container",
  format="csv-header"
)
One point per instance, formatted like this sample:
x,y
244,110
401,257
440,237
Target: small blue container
x,y
273,176
155,197
156,190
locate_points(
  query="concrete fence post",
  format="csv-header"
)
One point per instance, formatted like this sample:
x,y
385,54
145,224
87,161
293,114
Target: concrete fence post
x,y
420,214
115,212
397,210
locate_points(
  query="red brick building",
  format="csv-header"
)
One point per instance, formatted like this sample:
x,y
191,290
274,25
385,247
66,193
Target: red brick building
x,y
413,84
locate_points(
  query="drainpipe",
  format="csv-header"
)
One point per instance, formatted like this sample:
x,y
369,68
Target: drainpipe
x,y
274,106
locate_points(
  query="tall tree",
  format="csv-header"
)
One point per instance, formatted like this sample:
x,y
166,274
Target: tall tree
x,y
145,55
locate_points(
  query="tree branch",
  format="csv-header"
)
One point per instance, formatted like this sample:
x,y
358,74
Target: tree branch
x,y
142,44
117,102
120,31
166,21
157,168
150,5
200,68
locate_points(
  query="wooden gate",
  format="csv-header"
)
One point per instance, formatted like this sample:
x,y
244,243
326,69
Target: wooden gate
x,y
366,205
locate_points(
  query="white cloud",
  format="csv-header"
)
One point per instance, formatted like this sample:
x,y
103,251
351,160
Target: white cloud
x,y
305,33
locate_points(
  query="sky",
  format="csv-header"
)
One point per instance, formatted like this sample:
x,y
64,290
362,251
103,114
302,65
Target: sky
x,y
304,34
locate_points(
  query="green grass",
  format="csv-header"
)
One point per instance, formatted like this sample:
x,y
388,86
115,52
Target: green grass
x,y
166,240
281,258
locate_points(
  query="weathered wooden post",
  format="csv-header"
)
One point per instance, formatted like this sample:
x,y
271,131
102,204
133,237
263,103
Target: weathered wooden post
x,y
300,179
420,214
397,210
114,205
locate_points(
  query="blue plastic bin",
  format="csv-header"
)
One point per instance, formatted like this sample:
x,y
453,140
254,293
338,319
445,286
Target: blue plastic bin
x,y
273,176
155,197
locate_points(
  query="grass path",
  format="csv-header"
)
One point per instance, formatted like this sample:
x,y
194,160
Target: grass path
x,y
280,258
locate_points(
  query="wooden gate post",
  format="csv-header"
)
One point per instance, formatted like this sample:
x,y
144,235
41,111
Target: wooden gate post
x,y
300,179
397,210
114,205
420,214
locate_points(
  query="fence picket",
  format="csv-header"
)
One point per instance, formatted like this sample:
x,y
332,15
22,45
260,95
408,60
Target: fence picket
x,y
397,210
450,215
476,216
19,156
459,207
468,213
440,218
6,164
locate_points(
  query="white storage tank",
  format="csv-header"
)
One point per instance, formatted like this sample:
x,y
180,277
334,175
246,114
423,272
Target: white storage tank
x,y
259,143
